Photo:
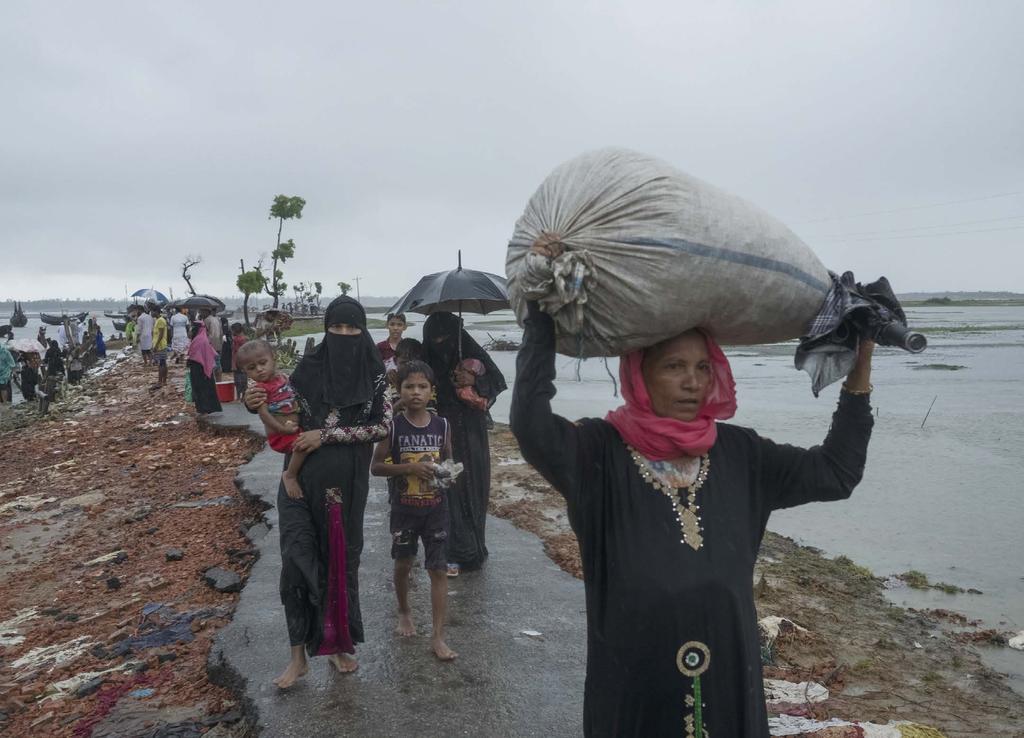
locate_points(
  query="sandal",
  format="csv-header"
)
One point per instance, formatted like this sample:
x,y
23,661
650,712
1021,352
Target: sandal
x,y
453,570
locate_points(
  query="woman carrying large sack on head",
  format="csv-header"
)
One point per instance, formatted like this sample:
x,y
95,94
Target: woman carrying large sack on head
x,y
668,504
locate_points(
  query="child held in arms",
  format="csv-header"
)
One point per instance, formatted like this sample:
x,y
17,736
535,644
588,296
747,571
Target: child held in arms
x,y
419,442
280,413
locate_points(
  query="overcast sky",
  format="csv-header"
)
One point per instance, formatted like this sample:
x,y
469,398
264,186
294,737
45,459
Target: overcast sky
x,y
136,133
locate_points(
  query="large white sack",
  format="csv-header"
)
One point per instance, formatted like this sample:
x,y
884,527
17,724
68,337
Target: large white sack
x,y
652,252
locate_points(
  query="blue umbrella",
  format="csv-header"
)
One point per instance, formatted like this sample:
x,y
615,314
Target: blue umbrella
x,y
150,294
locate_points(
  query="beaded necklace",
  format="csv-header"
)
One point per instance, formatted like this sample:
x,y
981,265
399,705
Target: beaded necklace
x,y
687,513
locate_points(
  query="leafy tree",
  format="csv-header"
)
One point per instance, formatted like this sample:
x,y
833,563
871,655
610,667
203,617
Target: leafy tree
x,y
345,288
250,283
318,288
284,208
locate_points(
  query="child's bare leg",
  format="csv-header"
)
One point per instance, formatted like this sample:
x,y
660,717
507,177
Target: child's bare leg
x,y
291,475
403,567
344,662
439,609
296,668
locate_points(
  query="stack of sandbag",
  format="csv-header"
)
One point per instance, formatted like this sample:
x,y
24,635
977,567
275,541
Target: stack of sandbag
x,y
646,252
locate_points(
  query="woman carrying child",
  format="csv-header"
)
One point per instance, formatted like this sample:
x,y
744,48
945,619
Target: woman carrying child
x,y
468,498
343,410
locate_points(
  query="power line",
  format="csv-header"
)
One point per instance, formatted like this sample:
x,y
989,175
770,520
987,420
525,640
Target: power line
x,y
934,235
913,207
920,228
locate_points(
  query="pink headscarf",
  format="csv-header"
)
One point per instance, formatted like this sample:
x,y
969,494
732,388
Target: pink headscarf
x,y
659,438
201,351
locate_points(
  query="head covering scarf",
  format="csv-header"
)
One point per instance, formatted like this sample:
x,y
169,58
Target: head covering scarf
x,y
201,351
441,347
344,370
659,438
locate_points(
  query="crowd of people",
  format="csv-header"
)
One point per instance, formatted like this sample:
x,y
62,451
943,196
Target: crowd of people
x,y
416,413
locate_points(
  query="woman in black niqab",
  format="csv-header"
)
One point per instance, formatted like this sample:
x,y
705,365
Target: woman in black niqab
x,y
344,410
467,500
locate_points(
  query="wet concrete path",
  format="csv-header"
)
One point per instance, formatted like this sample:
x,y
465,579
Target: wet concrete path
x,y
504,683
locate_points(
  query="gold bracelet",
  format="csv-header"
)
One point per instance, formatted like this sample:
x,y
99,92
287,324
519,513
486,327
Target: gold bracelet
x,y
849,391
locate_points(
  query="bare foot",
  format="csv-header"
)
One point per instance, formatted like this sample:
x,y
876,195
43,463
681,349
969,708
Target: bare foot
x,y
344,662
405,625
291,486
442,651
290,675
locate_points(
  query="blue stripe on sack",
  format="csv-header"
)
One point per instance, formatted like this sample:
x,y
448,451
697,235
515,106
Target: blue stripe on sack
x,y
736,257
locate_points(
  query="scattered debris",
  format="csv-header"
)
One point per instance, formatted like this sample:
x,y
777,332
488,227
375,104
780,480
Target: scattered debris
x,y
780,691
174,554
222,580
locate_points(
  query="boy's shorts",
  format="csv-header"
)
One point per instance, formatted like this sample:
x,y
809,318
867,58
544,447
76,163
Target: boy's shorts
x,y
160,356
282,442
431,526
147,352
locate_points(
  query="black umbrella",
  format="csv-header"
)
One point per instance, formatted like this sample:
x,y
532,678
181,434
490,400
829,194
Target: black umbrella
x,y
459,290
198,302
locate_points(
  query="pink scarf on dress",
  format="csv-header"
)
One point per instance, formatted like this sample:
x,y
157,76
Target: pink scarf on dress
x,y
201,352
659,438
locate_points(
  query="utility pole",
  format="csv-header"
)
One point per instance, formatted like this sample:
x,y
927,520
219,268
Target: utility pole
x,y
358,298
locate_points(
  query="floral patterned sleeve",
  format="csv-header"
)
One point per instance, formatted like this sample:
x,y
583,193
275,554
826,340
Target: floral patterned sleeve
x,y
348,434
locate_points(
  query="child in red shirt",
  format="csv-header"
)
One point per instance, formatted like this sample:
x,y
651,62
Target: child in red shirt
x,y
280,413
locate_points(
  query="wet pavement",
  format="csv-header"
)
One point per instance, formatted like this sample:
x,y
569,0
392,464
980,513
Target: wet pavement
x,y
518,626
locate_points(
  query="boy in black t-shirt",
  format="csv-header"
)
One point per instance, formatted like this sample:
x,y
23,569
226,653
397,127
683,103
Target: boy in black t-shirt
x,y
418,443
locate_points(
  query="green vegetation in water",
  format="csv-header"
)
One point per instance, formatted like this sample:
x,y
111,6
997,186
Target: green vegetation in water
x,y
915,579
856,569
315,325
943,367
970,328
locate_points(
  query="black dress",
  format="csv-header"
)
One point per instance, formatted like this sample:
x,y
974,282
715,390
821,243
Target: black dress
x,y
672,631
204,389
341,465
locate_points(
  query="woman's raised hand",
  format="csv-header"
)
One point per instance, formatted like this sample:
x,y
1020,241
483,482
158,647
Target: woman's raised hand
x,y
254,397
307,441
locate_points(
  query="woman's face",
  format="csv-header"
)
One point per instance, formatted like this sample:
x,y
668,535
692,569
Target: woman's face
x,y
677,375
344,329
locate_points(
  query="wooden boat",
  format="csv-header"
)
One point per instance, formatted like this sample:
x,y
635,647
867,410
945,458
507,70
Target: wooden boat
x,y
119,325
18,319
114,314
51,319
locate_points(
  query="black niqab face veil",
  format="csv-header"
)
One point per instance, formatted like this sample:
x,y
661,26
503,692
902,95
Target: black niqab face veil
x,y
343,371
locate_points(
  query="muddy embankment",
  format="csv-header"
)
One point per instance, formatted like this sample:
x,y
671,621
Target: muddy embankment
x,y
122,548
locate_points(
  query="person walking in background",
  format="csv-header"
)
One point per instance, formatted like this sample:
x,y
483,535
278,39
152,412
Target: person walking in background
x,y
238,339
30,376
144,329
215,336
160,346
396,327
467,503
101,345
6,368
179,335
200,368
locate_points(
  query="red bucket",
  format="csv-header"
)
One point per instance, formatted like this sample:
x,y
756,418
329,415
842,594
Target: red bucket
x,y
226,390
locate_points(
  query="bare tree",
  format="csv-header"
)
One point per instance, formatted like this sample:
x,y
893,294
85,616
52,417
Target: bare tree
x,y
190,261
